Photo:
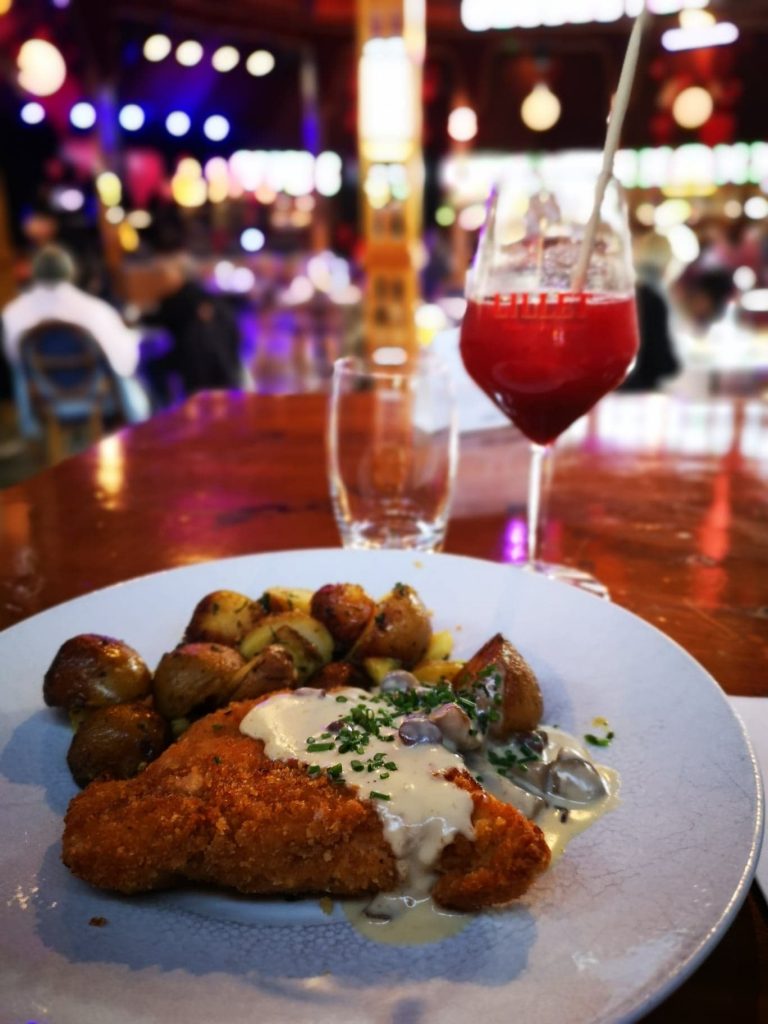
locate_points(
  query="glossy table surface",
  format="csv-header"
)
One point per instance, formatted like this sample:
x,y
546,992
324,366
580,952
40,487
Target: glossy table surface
x,y
665,501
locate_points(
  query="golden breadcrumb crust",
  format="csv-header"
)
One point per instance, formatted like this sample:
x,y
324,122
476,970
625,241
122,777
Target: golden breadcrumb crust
x,y
214,809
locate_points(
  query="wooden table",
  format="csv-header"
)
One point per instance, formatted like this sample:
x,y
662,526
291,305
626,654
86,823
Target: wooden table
x,y
666,502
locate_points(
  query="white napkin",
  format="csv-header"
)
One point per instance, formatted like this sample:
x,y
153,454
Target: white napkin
x,y
753,711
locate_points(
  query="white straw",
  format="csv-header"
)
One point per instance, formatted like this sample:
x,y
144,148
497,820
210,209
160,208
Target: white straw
x,y
611,144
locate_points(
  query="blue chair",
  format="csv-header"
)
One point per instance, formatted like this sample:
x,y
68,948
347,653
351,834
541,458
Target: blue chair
x,y
65,385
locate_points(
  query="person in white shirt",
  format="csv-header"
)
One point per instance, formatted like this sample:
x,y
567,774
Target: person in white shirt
x,y
53,296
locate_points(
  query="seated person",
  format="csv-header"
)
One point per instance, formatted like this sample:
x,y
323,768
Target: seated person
x,y
54,296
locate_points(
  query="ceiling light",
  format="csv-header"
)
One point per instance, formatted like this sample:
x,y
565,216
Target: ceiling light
x,y
692,107
252,239
756,208
41,67
225,59
540,109
32,113
83,115
132,117
260,63
702,36
462,124
178,123
216,127
696,18
157,48
189,53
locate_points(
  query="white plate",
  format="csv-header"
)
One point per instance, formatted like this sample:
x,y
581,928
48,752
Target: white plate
x,y
634,905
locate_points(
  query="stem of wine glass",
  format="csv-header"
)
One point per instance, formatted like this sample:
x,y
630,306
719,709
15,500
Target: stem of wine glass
x,y
539,453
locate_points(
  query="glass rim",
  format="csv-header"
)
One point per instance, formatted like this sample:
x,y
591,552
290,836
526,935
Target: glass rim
x,y
414,365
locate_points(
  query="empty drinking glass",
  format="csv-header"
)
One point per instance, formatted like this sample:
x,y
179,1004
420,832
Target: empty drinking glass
x,y
392,450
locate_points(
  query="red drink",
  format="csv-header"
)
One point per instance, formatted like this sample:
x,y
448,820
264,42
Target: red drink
x,y
545,361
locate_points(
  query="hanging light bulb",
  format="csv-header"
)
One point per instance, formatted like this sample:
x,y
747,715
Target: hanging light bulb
x,y
225,59
462,124
693,107
41,67
540,110
157,48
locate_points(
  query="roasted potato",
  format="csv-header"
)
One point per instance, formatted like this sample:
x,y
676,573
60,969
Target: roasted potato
x,y
286,599
345,610
272,669
195,678
91,671
223,617
432,672
307,640
399,629
339,673
504,682
116,742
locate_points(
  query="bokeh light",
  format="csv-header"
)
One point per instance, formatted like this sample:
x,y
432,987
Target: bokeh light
x,y
692,107
32,113
178,123
216,127
139,219
462,124
260,63
41,68
132,117
83,115
756,208
109,188
225,59
157,48
540,110
252,239
189,53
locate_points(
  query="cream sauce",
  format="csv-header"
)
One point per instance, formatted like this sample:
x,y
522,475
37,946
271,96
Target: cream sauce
x,y
423,812
560,820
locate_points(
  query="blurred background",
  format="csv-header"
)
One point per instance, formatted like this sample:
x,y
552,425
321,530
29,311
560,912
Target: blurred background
x,y
233,194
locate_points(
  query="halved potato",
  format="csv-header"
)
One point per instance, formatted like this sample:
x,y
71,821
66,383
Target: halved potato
x,y
271,669
223,617
399,629
308,641
286,599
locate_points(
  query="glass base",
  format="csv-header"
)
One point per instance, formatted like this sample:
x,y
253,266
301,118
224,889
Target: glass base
x,y
569,574
412,535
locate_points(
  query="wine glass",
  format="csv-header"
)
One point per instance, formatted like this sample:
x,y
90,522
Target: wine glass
x,y
544,346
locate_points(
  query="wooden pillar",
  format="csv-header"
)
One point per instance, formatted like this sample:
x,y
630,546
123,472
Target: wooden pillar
x,y
7,255
390,49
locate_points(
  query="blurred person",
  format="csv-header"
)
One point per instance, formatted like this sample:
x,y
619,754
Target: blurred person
x,y
656,358
206,338
53,295
702,294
